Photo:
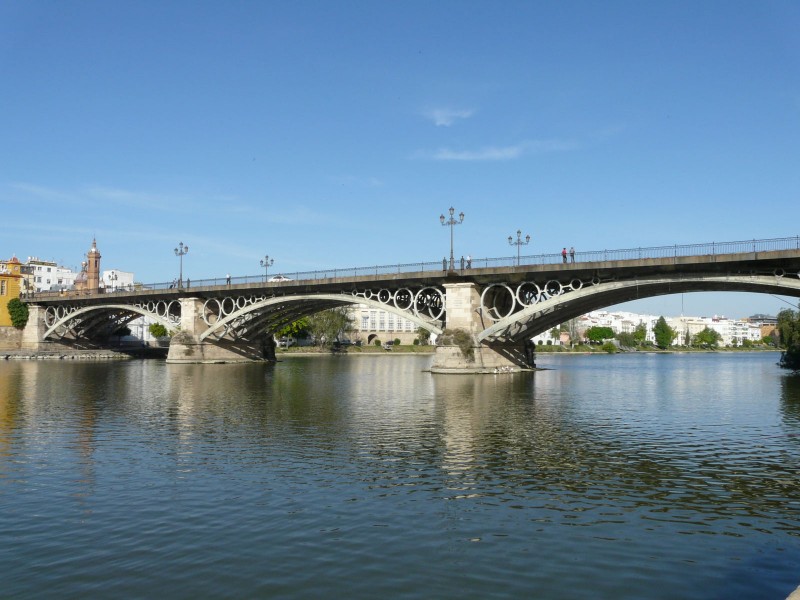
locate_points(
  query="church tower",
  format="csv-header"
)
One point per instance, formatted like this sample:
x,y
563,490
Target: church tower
x,y
88,280
93,269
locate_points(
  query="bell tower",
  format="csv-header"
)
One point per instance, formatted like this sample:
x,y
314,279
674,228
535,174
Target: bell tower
x,y
93,269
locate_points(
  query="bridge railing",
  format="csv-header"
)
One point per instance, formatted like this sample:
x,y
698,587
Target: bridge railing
x,y
674,251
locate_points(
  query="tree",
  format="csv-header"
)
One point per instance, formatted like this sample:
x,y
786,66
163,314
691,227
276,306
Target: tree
x,y
663,333
708,338
626,339
598,334
18,311
640,334
328,325
555,333
609,347
298,329
789,331
424,336
157,330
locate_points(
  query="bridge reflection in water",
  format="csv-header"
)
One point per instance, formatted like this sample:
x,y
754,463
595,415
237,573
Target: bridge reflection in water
x,y
487,314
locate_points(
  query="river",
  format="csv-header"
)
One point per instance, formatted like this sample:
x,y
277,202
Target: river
x,y
639,476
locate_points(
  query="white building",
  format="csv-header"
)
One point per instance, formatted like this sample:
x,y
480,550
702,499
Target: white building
x,y
115,279
370,324
47,275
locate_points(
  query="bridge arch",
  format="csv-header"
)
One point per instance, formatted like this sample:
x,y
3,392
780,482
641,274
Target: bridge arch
x,y
295,306
69,320
553,310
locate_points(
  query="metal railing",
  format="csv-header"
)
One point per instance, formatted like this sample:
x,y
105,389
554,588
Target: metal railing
x,y
440,266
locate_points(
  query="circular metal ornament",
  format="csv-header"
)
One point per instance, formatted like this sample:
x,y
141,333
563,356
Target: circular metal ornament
x,y
429,302
404,299
498,303
528,293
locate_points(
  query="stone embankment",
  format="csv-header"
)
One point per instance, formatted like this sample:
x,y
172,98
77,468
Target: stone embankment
x,y
63,355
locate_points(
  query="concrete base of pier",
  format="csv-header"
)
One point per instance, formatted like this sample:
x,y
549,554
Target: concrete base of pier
x,y
452,360
188,349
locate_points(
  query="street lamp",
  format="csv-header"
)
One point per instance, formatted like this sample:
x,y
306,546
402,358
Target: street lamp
x,y
451,222
519,242
180,251
113,278
266,262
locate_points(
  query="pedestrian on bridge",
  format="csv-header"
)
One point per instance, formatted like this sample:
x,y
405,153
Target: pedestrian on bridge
x,y
564,255
228,279
572,254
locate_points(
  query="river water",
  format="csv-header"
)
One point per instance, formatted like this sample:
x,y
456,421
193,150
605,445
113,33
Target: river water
x,y
628,476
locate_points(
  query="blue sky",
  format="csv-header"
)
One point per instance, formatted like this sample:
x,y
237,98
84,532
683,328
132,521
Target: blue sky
x,y
333,134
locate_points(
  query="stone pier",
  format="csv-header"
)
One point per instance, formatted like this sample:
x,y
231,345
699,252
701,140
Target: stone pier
x,y
186,345
457,352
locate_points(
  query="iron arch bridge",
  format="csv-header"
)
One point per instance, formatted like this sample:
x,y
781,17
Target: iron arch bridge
x,y
500,306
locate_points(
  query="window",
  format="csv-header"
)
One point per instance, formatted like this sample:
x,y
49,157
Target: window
x,y
3,290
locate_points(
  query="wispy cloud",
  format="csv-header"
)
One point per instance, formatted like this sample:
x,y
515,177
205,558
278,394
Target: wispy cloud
x,y
498,153
445,117
91,194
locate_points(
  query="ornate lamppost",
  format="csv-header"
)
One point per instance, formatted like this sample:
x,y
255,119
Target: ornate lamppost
x,y
181,250
266,262
113,279
519,242
452,222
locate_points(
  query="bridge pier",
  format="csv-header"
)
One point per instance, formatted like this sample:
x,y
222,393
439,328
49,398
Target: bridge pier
x,y
187,347
35,328
457,352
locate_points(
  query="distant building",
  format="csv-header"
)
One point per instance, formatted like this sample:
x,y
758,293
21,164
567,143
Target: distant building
x,y
45,275
88,280
115,280
10,287
370,324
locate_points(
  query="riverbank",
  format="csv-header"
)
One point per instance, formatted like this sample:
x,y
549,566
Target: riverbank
x,y
98,354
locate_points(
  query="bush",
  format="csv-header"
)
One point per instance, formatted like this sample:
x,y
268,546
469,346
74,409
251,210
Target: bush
x,y
377,342
609,347
396,341
157,330
18,311
460,338
416,341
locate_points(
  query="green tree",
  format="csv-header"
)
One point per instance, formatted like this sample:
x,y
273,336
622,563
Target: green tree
x,y
327,325
789,331
555,333
598,334
18,311
663,333
424,336
157,330
708,338
609,347
626,339
298,329
640,334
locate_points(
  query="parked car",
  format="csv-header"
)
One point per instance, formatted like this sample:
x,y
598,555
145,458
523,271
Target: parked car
x,y
280,278
388,345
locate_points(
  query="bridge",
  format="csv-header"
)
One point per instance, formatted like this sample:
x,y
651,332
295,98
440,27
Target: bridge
x,y
485,312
